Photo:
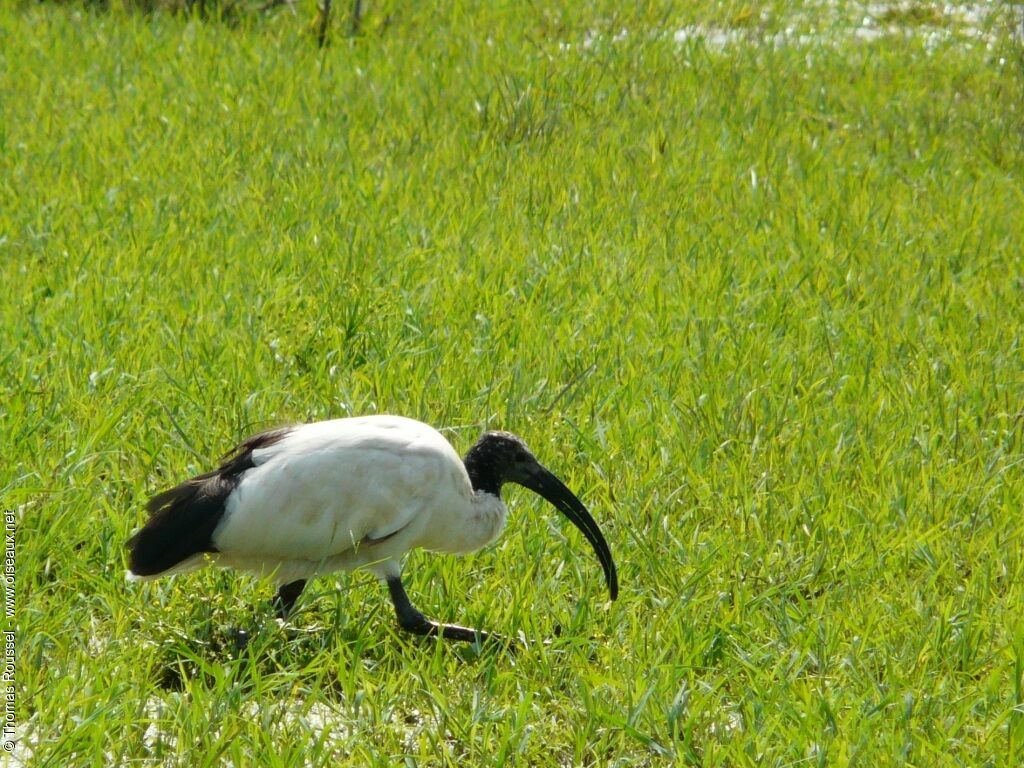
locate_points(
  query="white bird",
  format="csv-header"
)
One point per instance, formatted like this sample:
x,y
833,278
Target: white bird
x,y
339,495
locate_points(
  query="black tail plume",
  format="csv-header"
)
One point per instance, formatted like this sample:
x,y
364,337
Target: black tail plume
x,y
182,520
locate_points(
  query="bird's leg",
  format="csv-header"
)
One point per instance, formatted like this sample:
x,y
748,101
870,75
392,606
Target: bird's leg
x,y
413,621
286,597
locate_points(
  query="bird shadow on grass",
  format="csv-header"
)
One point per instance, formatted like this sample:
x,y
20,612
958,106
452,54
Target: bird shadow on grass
x,y
205,652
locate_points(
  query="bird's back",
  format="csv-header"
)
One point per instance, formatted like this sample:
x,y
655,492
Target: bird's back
x,y
305,494
330,487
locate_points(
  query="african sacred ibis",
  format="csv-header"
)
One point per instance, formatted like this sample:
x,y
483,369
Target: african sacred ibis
x,y
346,494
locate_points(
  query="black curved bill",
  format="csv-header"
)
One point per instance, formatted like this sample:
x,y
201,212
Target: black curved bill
x,y
542,482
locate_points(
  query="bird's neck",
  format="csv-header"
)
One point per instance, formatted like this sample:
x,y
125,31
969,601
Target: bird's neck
x,y
482,474
487,520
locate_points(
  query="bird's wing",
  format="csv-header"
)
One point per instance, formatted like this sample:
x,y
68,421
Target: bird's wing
x,y
329,487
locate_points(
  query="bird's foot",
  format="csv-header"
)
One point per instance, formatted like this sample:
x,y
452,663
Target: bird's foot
x,y
420,625
411,620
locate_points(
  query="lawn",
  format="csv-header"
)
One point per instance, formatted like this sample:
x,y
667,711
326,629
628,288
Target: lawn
x,y
749,278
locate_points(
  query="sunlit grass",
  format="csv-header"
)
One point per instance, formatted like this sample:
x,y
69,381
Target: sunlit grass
x,y
761,307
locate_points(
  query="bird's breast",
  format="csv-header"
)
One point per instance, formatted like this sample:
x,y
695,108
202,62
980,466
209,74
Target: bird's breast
x,y
467,526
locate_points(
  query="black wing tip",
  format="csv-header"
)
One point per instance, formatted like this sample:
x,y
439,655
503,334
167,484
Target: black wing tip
x,y
145,555
176,496
181,524
182,519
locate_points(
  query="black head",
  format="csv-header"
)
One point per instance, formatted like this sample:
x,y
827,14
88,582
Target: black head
x,y
500,457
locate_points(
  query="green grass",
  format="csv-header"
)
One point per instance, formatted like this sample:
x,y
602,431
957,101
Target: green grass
x,y
761,307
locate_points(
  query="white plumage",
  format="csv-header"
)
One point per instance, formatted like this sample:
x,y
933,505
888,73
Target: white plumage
x,y
318,500
346,494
